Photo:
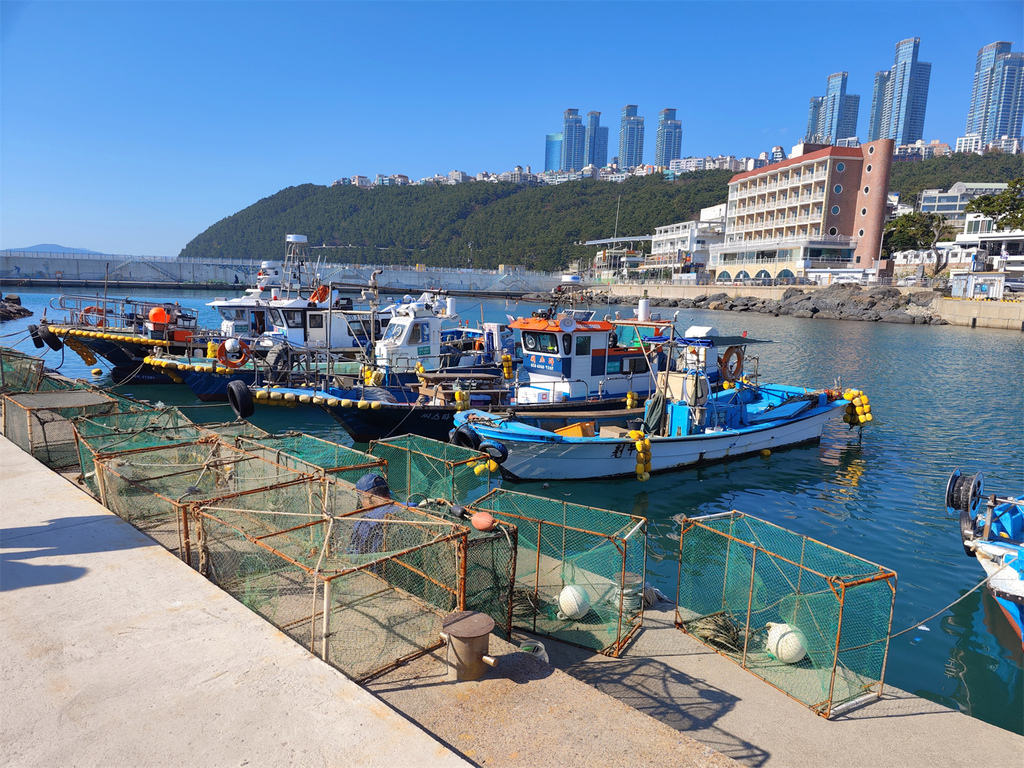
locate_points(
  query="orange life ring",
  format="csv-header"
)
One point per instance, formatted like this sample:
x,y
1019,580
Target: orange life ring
x,y
321,294
479,345
93,316
730,365
243,356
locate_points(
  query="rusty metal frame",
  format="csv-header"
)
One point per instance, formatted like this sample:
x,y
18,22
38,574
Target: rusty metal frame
x,y
837,585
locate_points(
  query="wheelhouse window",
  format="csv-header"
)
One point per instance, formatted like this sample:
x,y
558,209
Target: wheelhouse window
x,y
316,320
540,342
293,318
582,345
394,331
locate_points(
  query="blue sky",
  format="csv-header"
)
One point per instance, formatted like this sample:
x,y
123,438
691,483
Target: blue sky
x,y
131,127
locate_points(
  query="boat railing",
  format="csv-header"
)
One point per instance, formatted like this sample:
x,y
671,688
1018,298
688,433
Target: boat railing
x,y
117,312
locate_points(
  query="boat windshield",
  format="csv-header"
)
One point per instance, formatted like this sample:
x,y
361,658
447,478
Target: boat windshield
x,y
540,342
394,331
233,314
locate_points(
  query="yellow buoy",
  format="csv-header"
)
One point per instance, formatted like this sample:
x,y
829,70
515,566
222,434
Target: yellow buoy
x,y
276,395
97,372
640,468
868,417
645,477
346,403
479,469
492,465
639,446
303,398
262,394
765,453
332,401
375,405
363,405
317,400
289,396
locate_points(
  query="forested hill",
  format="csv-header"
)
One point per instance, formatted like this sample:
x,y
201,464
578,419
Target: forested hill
x,y
489,224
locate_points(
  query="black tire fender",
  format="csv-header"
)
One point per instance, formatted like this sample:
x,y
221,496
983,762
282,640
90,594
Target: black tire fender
x,y
51,339
240,399
467,437
494,449
33,332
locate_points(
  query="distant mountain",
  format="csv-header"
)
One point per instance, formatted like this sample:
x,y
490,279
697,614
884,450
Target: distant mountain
x,y
51,248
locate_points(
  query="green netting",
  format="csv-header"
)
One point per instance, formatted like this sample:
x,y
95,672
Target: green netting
x,y
153,488
376,582
19,372
52,381
40,422
579,570
120,432
808,618
230,430
306,453
420,468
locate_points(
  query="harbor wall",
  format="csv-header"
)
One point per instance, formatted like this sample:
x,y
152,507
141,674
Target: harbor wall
x,y
70,270
982,313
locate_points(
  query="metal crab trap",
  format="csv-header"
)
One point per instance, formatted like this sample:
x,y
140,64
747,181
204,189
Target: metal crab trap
x,y
365,589
809,619
19,372
314,455
420,468
153,488
579,570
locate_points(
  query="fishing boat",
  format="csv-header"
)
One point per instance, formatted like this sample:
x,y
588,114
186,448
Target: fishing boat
x,y
992,530
687,422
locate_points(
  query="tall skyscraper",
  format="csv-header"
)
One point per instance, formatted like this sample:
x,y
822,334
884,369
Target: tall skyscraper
x,y
833,116
553,152
595,150
668,145
899,114
573,135
877,102
997,99
631,138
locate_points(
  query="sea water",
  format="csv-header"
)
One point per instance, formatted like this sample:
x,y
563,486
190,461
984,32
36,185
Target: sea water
x,y
942,397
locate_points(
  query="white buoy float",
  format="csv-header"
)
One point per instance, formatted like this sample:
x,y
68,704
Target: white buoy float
x,y
786,643
573,603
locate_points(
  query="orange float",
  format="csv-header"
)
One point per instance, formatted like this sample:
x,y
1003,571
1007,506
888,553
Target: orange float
x,y
321,294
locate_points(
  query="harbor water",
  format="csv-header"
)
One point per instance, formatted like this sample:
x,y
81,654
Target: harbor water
x,y
942,397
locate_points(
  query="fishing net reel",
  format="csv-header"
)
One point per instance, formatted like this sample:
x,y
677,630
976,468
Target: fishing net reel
x,y
963,499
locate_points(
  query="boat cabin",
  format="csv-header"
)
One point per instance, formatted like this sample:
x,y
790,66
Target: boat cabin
x,y
570,359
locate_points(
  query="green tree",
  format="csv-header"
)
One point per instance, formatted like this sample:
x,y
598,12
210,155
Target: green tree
x,y
1006,209
918,231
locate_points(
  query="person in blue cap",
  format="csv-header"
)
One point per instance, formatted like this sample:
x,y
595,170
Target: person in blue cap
x,y
367,534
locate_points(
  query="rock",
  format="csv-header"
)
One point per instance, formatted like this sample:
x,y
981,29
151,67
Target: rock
x,y
13,298
716,305
885,292
936,320
897,317
12,311
804,313
791,294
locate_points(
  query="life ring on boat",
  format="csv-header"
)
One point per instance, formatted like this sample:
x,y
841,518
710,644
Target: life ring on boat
x,y
321,294
467,437
478,345
93,316
233,358
730,365
240,399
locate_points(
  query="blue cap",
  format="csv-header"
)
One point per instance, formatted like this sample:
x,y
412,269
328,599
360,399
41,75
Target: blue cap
x,y
375,484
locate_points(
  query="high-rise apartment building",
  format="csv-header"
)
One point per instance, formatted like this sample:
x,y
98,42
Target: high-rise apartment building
x,y
997,99
833,116
897,113
668,145
595,150
631,138
824,209
573,134
553,152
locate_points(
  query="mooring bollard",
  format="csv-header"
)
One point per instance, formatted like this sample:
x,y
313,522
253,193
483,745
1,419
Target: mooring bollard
x,y
467,634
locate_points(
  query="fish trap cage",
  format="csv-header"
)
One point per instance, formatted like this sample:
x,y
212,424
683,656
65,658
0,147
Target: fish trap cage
x,y
19,372
40,422
490,567
305,453
230,431
809,619
579,570
420,468
153,488
120,432
363,588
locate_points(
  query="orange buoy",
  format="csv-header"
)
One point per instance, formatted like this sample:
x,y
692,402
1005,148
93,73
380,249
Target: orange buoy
x,y
483,521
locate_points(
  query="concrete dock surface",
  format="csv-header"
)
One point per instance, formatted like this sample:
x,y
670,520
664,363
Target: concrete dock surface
x,y
114,652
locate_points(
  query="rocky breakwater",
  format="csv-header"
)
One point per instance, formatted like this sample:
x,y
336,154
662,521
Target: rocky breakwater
x,y
882,304
10,307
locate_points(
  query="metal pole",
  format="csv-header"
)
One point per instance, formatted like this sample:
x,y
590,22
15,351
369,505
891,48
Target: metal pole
x,y
325,632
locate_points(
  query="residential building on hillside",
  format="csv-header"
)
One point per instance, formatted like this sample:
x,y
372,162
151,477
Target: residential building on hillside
x,y
920,150
833,116
573,134
686,164
997,98
669,140
595,148
631,138
684,247
344,181
969,143
458,177
778,154
897,112
821,210
952,203
1006,144
553,152
362,181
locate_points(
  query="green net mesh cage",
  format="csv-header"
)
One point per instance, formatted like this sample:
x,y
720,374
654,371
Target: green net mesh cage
x,y
579,570
231,430
364,589
40,422
153,488
809,619
420,468
121,432
19,372
306,453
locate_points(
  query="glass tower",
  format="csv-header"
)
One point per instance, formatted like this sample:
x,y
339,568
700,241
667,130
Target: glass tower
x,y
833,116
572,140
668,145
595,150
997,100
553,152
899,114
631,138
877,102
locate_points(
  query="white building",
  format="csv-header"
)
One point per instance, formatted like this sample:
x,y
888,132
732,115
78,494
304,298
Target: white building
x,y
684,247
969,143
1004,249
686,164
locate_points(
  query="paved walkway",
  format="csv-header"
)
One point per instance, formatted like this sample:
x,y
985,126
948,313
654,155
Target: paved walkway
x,y
678,681
113,652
